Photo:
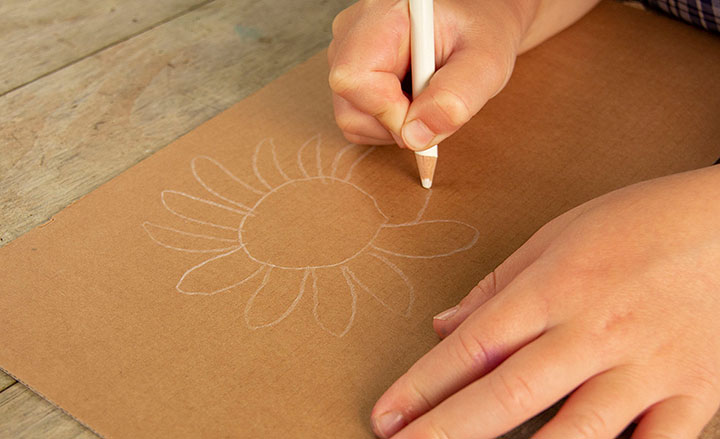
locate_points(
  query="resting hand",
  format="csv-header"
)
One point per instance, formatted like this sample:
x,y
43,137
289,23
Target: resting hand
x,y
616,302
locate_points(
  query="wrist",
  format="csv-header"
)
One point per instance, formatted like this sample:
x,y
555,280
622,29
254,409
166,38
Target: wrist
x,y
550,17
520,16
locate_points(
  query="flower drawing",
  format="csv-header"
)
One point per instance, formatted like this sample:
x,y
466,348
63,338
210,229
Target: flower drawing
x,y
286,235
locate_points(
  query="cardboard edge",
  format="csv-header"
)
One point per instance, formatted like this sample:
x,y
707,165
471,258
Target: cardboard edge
x,y
51,402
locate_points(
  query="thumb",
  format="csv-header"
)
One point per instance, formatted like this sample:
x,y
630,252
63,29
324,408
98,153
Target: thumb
x,y
455,93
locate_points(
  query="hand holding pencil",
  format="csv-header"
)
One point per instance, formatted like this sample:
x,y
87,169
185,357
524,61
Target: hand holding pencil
x,y
371,55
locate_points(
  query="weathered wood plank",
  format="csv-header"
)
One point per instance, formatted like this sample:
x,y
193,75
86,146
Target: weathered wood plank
x,y
66,133
5,381
40,36
26,415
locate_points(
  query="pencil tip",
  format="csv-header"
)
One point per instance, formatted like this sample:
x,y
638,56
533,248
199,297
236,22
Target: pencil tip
x,y
426,169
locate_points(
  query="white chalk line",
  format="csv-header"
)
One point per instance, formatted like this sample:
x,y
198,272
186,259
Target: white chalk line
x,y
368,245
192,235
299,157
202,264
350,277
203,200
476,235
277,163
318,159
421,212
255,164
357,161
194,220
223,169
338,157
287,312
316,303
400,273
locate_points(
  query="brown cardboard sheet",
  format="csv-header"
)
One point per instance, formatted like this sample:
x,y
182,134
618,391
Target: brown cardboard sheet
x,y
260,277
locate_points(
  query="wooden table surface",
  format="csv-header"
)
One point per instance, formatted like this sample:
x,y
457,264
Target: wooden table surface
x,y
88,89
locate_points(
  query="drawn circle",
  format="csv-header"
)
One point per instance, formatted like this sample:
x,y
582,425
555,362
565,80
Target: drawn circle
x,y
311,223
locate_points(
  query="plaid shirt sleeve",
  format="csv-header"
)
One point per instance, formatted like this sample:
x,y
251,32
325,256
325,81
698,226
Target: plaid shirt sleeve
x,y
701,13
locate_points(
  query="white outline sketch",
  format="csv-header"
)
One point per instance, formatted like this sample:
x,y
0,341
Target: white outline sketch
x,y
238,212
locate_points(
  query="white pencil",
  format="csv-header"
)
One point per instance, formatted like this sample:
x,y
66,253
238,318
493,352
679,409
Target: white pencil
x,y
422,62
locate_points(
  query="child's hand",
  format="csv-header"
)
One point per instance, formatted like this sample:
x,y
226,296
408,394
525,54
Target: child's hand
x,y
617,302
476,42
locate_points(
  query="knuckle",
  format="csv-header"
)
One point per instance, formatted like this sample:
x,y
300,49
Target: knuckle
x,y
383,112
344,122
336,24
354,138
588,425
435,430
342,80
331,52
486,288
704,379
417,395
512,392
498,72
472,351
453,108
369,5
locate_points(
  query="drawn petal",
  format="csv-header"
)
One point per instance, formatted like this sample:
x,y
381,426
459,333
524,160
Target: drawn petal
x,y
348,161
343,159
426,239
384,281
188,242
276,297
309,158
402,204
267,166
219,273
222,183
202,211
334,300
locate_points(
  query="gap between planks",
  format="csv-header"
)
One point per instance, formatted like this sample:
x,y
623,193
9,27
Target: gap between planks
x,y
109,45
5,381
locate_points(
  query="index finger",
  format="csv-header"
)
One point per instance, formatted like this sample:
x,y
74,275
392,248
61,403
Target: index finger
x,y
527,383
370,62
501,326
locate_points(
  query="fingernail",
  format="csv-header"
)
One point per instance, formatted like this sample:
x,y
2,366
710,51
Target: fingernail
x,y
447,314
416,134
388,424
398,140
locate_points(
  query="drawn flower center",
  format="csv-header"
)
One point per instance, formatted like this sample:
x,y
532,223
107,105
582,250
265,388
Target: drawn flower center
x,y
314,222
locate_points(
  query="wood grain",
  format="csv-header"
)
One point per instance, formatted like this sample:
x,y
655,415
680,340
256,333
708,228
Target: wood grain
x,y
23,414
67,133
41,36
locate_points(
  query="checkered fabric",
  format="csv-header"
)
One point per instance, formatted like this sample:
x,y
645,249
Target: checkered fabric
x,y
701,13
